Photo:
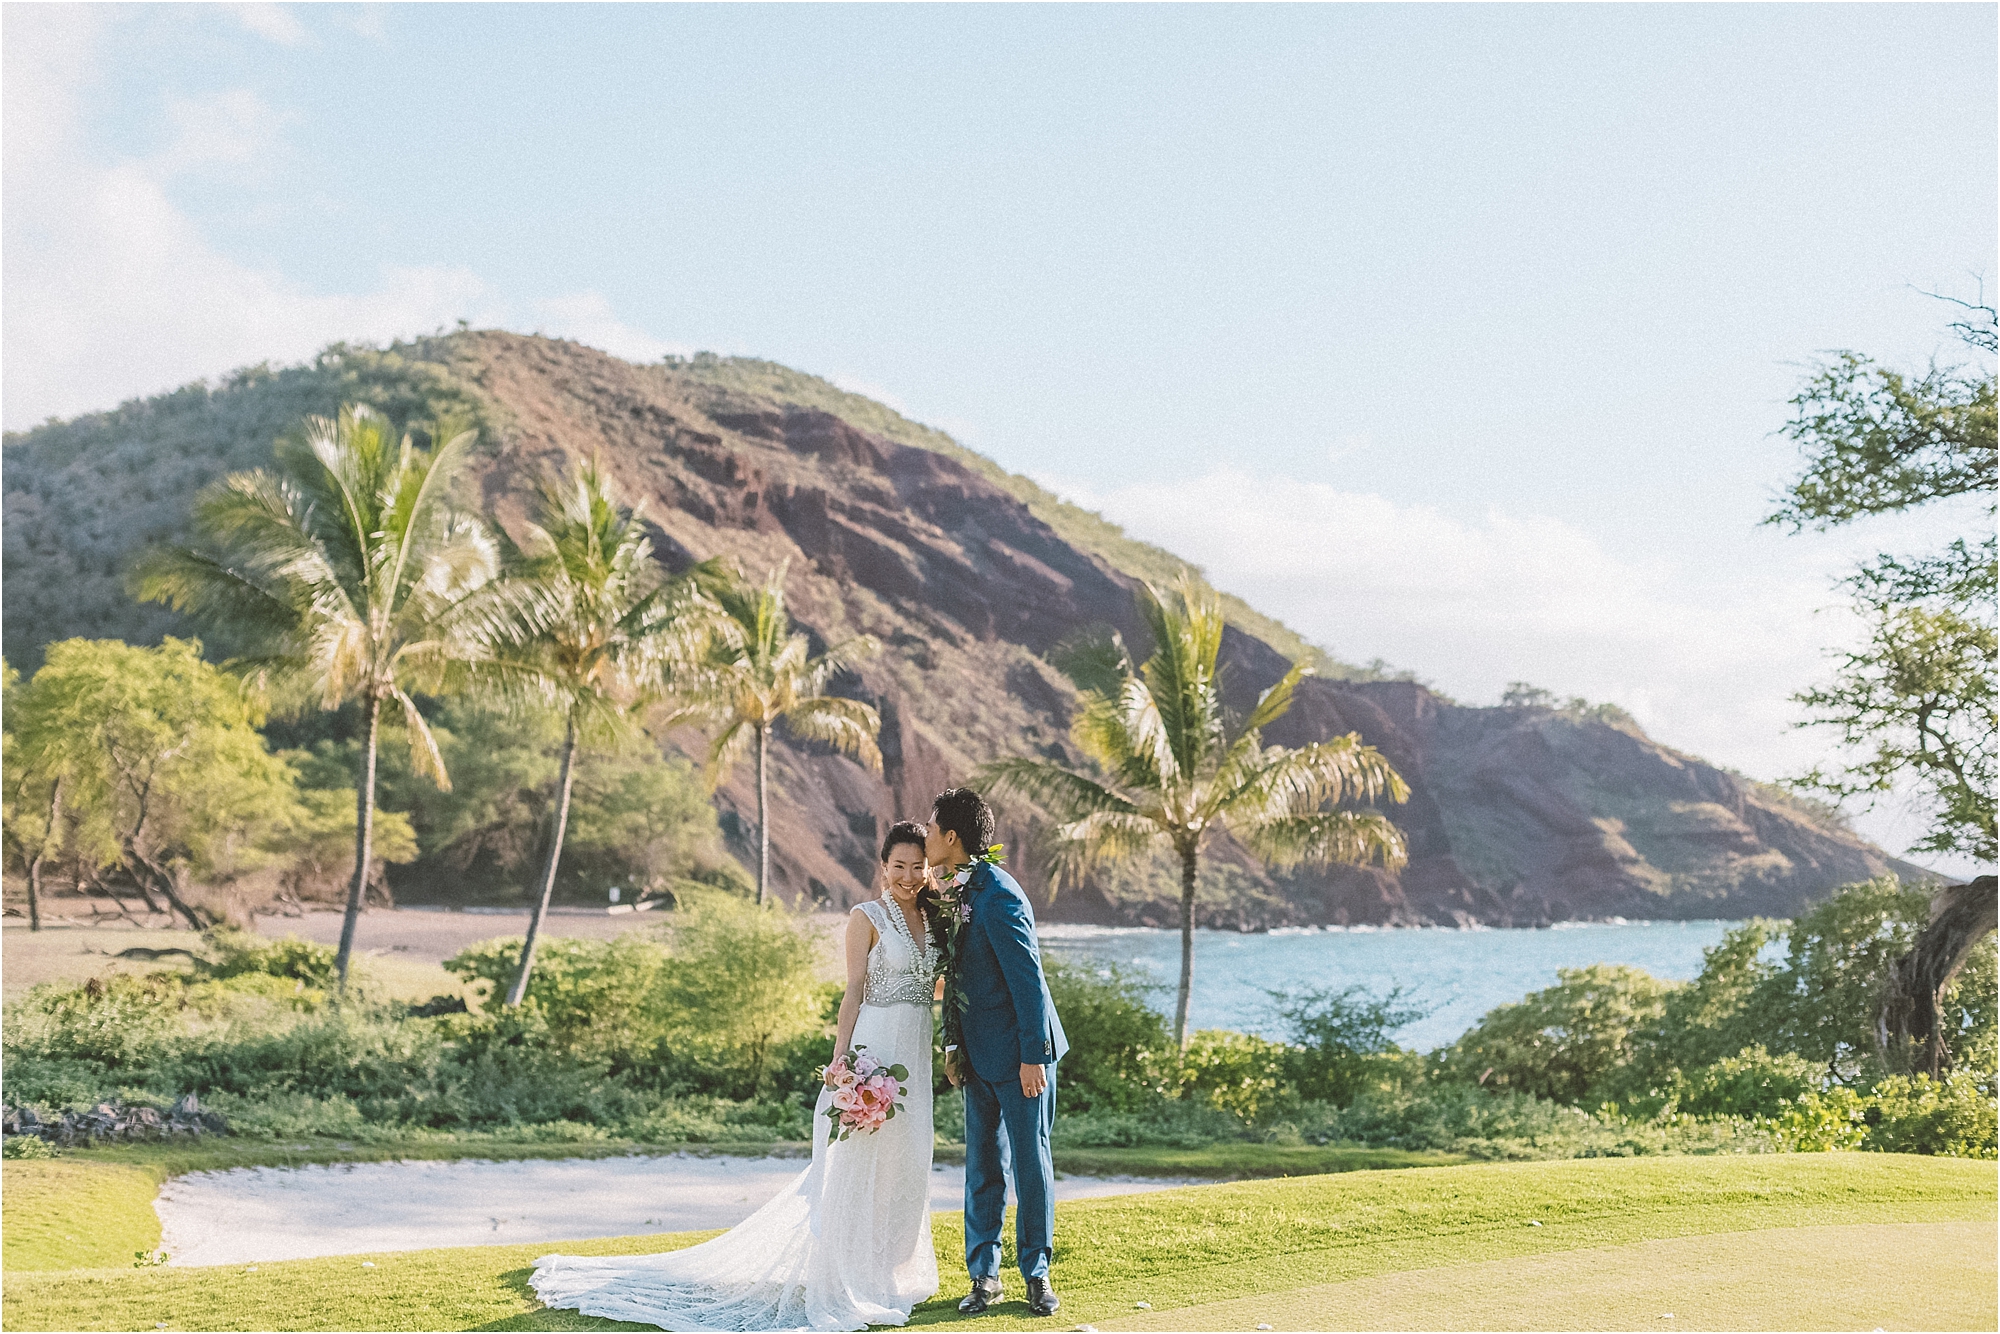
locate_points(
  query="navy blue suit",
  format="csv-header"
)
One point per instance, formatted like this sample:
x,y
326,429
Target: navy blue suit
x,y
1010,1021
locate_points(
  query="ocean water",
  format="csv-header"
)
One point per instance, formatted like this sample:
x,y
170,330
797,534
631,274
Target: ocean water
x,y
1456,976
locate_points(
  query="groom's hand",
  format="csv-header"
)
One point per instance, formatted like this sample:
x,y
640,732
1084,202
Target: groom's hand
x,y
1034,1078
952,1074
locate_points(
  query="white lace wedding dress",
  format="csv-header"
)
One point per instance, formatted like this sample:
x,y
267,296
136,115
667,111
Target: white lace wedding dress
x,y
847,1244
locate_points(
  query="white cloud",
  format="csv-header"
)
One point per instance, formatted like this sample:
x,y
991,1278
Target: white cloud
x,y
111,290
274,23
1475,605
364,21
234,128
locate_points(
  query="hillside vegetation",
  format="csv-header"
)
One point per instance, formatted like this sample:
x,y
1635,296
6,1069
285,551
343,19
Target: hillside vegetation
x,y
969,577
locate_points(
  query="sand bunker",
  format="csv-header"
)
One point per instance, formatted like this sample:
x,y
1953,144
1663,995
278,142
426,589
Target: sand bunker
x,y
251,1214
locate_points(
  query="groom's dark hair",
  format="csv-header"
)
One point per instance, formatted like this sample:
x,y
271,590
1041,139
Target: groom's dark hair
x,y
963,812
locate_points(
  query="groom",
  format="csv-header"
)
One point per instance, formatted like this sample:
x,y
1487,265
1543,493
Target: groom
x,y
1007,1065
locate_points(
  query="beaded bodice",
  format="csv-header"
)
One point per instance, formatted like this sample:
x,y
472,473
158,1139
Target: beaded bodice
x,y
902,970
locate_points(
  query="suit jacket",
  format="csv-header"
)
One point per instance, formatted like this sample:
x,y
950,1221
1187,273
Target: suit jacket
x,y
1010,1019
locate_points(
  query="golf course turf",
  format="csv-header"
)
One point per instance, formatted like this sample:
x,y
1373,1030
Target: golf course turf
x,y
1791,1241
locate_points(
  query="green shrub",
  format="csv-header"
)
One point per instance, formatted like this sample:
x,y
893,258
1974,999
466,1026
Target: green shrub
x,y
744,982
1752,1083
596,998
1178,1123
1564,1043
1954,1116
1823,1122
26,1146
1239,1073
1823,1001
1341,1041
110,1023
1120,1055
238,953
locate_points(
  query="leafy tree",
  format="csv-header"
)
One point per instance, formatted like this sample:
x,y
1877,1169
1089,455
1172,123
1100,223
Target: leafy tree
x,y
643,821
755,673
161,769
320,838
1180,769
1914,703
349,574
30,802
638,819
607,625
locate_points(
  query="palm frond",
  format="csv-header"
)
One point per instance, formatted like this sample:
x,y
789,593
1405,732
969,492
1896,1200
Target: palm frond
x,y
1272,704
1076,847
848,725
1326,838
425,758
1094,659
1066,796
1186,625
727,748
202,586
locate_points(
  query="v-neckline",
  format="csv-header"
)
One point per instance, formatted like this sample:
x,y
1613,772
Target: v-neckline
x,y
895,913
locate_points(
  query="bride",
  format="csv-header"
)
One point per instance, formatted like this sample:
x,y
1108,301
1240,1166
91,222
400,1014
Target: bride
x,y
847,1244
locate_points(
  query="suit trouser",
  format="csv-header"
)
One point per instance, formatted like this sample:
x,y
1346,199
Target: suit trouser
x,y
991,1157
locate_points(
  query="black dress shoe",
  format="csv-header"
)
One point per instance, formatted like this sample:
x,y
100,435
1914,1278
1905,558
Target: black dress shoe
x,y
1042,1299
985,1292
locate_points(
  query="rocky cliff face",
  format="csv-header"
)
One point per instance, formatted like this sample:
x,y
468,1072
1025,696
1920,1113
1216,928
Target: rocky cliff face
x,y
1516,815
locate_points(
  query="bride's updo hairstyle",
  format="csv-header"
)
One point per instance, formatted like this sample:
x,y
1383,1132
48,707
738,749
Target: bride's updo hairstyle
x,y
903,831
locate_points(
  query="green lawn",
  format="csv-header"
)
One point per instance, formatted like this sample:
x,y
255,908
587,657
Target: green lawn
x,y
1213,1256
61,1214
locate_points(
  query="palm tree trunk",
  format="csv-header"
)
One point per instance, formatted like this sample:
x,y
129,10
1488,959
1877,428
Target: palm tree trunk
x,y
35,862
1189,857
516,992
763,813
364,830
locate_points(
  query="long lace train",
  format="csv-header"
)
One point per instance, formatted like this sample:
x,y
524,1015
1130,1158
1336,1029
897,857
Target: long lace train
x,y
846,1245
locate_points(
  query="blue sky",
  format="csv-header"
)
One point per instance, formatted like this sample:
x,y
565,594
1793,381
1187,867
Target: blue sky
x,y
1456,335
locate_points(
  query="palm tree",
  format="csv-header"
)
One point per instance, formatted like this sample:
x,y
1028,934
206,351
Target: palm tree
x,y
349,575
609,626
755,672
1182,770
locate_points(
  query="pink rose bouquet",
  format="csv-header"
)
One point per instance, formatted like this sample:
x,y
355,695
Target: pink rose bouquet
x,y
865,1093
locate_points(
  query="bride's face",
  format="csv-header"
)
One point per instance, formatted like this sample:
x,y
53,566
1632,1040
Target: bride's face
x,y
903,873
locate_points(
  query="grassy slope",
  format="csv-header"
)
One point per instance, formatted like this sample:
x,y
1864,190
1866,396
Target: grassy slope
x,y
1175,1249
62,1214
1078,526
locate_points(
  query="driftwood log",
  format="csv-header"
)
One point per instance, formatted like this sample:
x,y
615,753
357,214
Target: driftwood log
x,y
1909,1029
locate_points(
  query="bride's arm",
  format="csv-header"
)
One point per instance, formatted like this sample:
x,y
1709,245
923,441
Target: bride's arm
x,y
860,940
